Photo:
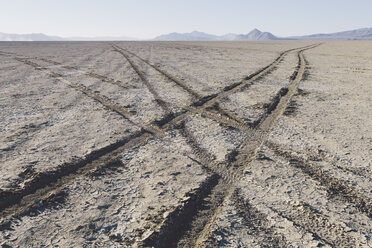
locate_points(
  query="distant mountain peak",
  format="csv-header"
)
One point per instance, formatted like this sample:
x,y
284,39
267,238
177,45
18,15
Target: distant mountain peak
x,y
255,30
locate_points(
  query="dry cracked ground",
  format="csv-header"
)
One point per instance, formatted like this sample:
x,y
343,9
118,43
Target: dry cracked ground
x,y
186,144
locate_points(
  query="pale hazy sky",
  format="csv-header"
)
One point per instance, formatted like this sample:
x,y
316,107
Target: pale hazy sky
x,y
149,18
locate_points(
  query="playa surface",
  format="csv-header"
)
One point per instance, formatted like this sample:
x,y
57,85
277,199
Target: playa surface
x,y
186,144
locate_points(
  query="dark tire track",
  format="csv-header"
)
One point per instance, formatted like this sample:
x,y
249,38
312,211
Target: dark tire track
x,y
172,228
200,204
211,99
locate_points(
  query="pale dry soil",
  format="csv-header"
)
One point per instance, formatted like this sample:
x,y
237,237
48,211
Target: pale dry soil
x,y
289,195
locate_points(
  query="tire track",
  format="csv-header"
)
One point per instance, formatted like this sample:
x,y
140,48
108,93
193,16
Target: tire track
x,y
249,150
90,74
321,155
216,108
108,104
10,197
40,186
201,110
201,199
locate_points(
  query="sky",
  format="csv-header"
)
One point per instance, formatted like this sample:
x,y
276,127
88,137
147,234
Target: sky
x,y
150,18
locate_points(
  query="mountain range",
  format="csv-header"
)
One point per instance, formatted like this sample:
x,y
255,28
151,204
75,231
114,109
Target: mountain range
x,y
254,35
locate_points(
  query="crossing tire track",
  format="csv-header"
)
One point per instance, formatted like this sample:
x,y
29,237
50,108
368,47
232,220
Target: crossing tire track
x,y
197,228
17,201
209,101
170,77
165,105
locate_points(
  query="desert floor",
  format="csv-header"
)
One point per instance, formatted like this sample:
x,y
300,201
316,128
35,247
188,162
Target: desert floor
x,y
186,144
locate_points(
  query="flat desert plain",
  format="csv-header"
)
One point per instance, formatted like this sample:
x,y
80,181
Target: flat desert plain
x,y
186,144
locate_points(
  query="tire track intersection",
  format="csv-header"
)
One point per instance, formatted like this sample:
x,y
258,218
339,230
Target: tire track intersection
x,y
12,197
